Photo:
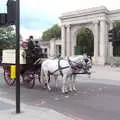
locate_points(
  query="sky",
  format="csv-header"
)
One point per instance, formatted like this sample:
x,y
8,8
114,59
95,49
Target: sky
x,y
36,16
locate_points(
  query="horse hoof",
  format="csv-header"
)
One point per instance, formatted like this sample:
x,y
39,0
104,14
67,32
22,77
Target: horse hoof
x,y
75,90
44,87
66,92
49,89
71,90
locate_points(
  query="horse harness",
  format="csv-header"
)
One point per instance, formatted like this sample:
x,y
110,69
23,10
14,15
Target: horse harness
x,y
75,68
59,69
78,67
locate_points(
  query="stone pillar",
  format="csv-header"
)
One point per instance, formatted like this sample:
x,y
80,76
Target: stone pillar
x,y
52,47
111,49
63,40
102,41
96,39
110,43
68,41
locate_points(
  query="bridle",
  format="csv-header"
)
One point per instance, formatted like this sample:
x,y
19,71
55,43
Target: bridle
x,y
79,66
75,65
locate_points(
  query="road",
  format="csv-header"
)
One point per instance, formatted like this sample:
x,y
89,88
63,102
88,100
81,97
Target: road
x,y
94,100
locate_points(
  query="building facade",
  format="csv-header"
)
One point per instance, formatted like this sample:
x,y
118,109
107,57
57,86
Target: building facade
x,y
99,20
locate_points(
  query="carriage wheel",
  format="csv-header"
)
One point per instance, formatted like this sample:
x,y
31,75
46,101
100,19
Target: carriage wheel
x,y
28,79
8,80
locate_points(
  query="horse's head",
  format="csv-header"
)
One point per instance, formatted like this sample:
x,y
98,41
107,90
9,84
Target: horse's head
x,y
81,62
87,63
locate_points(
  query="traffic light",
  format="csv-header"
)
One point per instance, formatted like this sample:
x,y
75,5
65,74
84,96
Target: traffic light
x,y
11,12
110,35
3,19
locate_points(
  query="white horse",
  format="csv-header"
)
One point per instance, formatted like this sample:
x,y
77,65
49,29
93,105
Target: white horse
x,y
66,68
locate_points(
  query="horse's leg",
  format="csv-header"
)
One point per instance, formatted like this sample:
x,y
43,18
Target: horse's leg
x,y
42,77
56,85
89,74
70,83
63,84
73,82
48,81
64,88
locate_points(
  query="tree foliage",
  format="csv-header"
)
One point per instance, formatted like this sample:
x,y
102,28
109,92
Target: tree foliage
x,y
85,40
116,37
7,38
53,32
116,25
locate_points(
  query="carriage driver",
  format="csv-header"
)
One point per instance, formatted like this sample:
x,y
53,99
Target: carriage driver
x,y
34,51
38,50
30,43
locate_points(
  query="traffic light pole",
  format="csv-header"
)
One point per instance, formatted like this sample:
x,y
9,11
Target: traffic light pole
x,y
17,56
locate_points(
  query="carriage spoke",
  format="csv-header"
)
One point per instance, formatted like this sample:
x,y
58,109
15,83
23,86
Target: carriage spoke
x,y
8,80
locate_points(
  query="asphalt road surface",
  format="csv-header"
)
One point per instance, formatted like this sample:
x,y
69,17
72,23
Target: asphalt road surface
x,y
92,101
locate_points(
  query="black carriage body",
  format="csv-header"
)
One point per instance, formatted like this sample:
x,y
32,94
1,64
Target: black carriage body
x,y
27,71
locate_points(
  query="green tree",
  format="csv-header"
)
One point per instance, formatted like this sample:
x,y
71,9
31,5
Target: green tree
x,y
53,32
7,38
85,40
116,32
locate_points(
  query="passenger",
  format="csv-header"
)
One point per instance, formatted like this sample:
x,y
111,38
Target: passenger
x,y
38,50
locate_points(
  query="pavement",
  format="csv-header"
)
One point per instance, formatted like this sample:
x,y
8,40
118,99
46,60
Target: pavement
x,y
7,107
8,112
105,72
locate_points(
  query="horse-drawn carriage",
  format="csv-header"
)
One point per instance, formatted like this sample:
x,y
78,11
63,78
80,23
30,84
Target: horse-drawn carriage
x,y
43,69
28,72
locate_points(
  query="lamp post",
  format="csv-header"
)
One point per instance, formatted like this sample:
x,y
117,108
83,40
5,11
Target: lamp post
x,y
17,56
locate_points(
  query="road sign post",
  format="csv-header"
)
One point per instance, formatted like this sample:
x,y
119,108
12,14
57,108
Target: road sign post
x,y
17,56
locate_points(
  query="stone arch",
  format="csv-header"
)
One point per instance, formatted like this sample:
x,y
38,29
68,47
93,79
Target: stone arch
x,y
74,32
81,47
98,20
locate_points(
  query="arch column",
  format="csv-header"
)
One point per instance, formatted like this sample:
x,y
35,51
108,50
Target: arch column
x,y
103,33
110,43
96,38
68,41
63,40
